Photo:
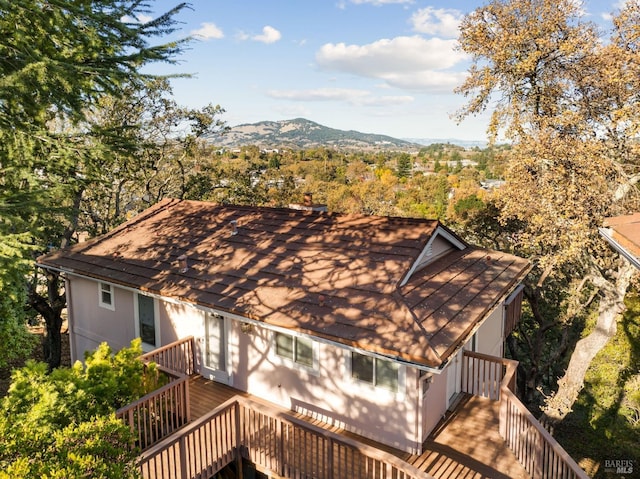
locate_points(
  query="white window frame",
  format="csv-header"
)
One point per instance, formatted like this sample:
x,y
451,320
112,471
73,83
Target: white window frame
x,y
146,347
111,290
292,363
366,387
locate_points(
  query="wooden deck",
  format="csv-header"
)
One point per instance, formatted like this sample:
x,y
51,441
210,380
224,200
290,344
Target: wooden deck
x,y
466,445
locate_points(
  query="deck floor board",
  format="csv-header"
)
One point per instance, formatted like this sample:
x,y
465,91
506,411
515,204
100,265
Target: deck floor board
x,y
467,444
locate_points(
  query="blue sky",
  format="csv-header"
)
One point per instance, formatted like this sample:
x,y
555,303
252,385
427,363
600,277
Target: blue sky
x,y
376,66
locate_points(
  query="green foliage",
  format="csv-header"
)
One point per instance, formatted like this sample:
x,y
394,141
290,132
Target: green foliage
x,y
604,412
14,336
464,206
63,425
404,166
58,60
97,448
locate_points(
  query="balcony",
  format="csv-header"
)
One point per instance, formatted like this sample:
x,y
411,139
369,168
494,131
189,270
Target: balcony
x,y
193,427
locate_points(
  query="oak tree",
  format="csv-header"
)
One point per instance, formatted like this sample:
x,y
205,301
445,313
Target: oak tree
x,y
567,100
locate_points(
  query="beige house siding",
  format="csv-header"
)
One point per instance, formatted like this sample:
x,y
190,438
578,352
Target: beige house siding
x,y
328,392
489,336
91,324
403,419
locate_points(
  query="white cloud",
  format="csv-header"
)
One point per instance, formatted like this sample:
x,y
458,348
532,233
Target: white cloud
x,y
269,35
433,81
404,62
441,22
387,100
351,96
208,31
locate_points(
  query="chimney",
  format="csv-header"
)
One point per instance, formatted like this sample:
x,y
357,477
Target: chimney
x,y
308,199
307,204
182,263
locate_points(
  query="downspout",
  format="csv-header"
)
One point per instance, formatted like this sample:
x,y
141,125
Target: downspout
x,y
70,321
419,418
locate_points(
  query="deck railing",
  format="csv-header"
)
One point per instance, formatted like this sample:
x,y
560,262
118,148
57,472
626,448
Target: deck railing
x,y
539,453
165,410
274,442
176,356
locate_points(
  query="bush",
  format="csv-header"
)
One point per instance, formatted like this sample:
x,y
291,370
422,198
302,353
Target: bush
x,y
63,424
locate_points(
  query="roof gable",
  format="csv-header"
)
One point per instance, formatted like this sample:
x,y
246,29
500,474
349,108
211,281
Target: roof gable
x,y
440,243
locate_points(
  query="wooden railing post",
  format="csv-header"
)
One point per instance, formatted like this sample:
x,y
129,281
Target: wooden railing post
x,y
183,456
187,399
329,459
280,456
504,411
538,446
238,441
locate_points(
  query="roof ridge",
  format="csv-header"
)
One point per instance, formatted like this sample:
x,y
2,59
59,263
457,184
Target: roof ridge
x,y
430,352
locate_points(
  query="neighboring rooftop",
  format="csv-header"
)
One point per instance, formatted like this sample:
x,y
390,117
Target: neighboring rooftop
x,y
344,278
623,234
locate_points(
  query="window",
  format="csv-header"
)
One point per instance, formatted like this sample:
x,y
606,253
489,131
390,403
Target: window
x,y
146,320
105,296
294,348
375,371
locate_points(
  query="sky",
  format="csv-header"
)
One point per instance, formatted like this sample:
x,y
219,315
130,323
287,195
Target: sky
x,y
376,66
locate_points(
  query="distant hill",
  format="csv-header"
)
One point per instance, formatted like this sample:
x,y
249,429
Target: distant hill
x,y
304,134
453,141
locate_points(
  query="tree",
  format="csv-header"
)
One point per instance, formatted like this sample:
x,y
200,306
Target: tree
x,y
568,102
58,59
404,166
62,424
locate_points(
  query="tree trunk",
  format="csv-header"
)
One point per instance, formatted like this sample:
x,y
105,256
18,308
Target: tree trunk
x,y
611,306
50,308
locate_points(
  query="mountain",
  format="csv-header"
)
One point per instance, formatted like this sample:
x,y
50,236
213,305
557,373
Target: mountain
x,y
454,141
304,134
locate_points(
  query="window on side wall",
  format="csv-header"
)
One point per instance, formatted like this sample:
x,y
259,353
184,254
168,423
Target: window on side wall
x,y
375,371
295,348
106,297
147,320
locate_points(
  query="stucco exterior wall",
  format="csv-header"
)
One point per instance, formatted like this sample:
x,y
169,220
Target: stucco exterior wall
x,y
92,324
489,337
328,392
402,419
434,403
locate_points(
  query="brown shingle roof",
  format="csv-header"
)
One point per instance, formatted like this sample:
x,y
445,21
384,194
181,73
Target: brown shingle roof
x,y
624,234
333,276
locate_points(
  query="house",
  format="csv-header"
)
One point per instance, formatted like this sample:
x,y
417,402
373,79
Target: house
x,y
623,234
361,321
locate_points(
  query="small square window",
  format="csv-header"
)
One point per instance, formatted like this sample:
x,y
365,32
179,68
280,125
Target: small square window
x,y
106,296
304,352
294,348
375,371
284,346
387,374
362,367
